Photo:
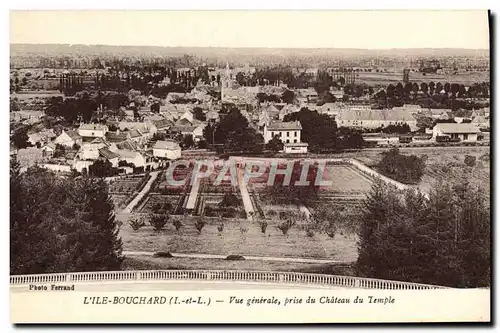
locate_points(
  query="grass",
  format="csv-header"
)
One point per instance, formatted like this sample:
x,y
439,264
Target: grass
x,y
150,263
233,241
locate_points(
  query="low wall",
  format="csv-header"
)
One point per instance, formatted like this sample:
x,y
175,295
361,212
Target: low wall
x,y
219,275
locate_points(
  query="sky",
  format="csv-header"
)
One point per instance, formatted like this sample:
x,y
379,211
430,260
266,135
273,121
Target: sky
x,y
284,29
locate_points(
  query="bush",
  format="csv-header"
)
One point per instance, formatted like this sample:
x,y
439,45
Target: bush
x,y
263,226
310,233
470,161
199,224
163,255
220,227
285,227
158,221
235,257
136,223
177,224
271,213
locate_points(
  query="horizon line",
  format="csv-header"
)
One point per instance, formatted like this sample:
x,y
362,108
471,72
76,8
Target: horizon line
x,y
260,47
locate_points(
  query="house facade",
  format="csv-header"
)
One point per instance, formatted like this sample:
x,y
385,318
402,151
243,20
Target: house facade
x,y
92,130
464,132
69,139
167,149
288,133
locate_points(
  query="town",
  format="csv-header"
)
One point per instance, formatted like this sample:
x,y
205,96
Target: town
x,y
214,161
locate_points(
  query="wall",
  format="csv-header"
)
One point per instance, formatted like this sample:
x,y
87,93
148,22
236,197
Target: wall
x,y
57,167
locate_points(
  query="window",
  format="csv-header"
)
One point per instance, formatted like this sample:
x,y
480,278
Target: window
x,y
295,141
272,134
287,133
295,134
287,141
466,136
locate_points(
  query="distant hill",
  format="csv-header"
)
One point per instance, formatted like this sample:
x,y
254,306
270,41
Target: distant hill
x,y
107,50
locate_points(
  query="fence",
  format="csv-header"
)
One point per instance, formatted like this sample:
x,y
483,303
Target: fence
x,y
219,275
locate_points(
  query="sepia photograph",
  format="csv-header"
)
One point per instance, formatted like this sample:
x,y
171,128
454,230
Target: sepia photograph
x,y
250,166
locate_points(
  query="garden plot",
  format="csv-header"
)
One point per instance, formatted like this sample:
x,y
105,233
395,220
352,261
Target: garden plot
x,y
157,202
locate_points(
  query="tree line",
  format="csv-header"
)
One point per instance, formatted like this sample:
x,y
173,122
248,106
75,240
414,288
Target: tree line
x,y
443,240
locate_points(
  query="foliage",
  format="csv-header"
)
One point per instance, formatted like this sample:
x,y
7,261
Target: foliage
x,y
469,160
443,240
177,224
187,141
199,224
403,168
20,137
275,144
263,226
136,223
158,221
102,168
198,114
229,200
61,224
285,226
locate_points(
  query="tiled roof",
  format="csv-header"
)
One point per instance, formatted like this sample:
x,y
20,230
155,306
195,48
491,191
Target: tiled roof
x,y
386,115
456,128
283,126
108,154
168,145
92,127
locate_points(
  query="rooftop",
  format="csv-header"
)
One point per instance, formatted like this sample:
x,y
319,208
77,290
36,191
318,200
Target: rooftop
x,y
169,145
457,128
284,126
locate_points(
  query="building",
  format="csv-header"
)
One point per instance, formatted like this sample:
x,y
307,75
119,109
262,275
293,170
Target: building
x,y
288,133
92,130
69,139
41,137
464,132
371,119
167,149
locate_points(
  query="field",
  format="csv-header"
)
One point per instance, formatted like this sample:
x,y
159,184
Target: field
x,y
149,263
240,237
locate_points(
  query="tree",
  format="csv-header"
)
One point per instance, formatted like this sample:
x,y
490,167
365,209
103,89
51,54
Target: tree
x,y
102,168
470,161
198,114
187,141
61,224
403,168
20,137
442,240
158,221
275,144
155,107
288,96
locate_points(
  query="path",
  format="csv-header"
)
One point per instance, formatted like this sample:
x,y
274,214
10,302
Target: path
x,y
191,202
245,196
218,256
143,192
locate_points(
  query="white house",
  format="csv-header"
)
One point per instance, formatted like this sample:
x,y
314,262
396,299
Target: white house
x,y
49,149
288,133
187,115
463,132
69,139
92,130
130,156
167,149
481,122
